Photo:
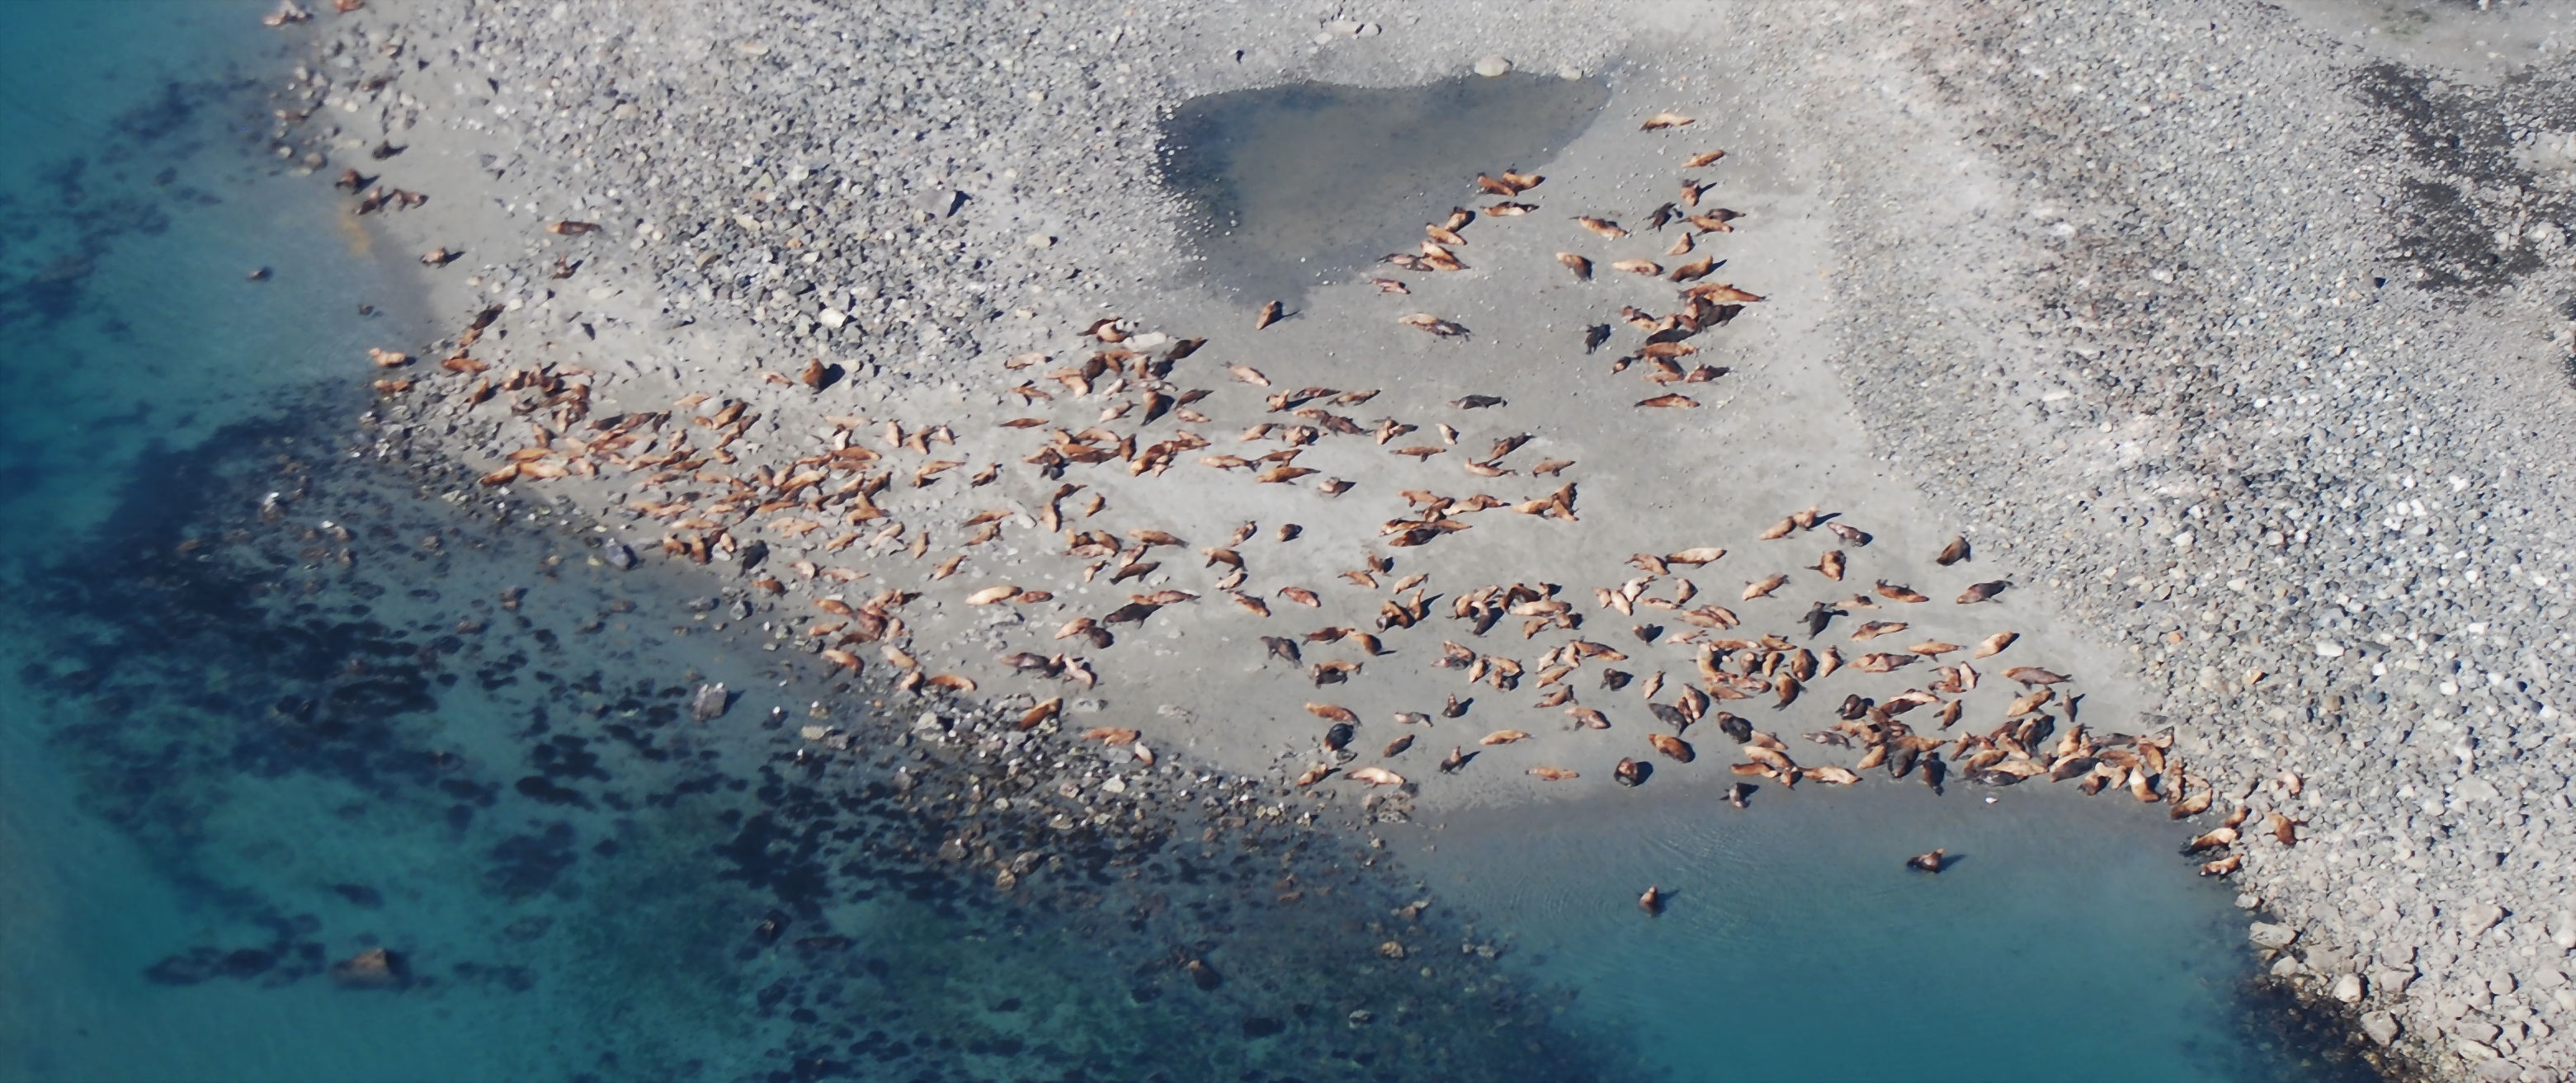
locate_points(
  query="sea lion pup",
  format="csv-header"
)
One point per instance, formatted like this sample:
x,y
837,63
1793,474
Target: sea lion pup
x,y
1629,772
1736,794
1652,902
1930,862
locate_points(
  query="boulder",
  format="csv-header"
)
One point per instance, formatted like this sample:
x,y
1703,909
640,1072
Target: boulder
x,y
710,703
2265,934
2381,1026
2348,989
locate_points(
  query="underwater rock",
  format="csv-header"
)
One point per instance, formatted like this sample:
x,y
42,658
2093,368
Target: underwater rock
x,y
374,968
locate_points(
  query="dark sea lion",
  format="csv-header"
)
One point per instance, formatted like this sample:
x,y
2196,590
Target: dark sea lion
x,y
1930,862
1629,772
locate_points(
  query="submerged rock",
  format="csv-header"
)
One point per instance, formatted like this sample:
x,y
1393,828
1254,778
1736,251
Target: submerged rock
x,y
374,968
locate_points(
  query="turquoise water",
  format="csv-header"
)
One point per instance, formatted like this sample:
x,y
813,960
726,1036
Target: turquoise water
x,y
280,693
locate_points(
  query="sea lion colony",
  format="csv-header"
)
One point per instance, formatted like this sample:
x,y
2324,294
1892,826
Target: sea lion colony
x,y
1114,412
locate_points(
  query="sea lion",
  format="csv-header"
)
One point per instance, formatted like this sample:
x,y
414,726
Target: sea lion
x,y
1456,759
1930,862
1674,747
1338,736
1454,708
1377,776
1954,552
1661,121
1819,617
1981,592
1735,727
1736,794
1629,772
1934,771
1396,747
2212,840
2223,866
1547,773
1582,269
1652,902
1607,229
1270,313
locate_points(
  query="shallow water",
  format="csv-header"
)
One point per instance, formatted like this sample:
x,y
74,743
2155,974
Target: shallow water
x,y
1302,184
2065,941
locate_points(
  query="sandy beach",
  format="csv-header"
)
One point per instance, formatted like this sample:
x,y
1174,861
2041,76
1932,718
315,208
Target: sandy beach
x,y
2115,395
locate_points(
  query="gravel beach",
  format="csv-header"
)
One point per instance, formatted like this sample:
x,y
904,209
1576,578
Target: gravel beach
x,y
2234,339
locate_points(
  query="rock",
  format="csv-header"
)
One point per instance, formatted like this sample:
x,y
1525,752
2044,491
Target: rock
x,y
2247,900
2287,967
2264,934
374,968
2348,989
710,703
2562,930
2474,1052
2480,917
1570,72
617,555
1492,66
1391,950
940,202
1040,240
2380,1025
2499,1071
2392,981
2477,1030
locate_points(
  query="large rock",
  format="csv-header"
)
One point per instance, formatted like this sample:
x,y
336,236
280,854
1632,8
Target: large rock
x,y
2264,934
2381,1026
2348,989
2499,1071
710,703
2479,917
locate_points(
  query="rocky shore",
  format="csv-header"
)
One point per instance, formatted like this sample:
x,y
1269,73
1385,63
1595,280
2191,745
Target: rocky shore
x,y
2235,343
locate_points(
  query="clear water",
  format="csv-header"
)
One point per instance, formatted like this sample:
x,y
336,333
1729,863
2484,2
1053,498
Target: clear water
x,y
238,747
2066,941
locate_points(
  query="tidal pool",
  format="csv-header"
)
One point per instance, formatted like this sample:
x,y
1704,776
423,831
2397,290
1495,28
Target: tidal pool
x,y
1301,184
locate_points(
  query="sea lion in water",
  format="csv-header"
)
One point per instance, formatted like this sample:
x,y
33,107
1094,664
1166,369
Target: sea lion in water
x,y
1930,862
1652,902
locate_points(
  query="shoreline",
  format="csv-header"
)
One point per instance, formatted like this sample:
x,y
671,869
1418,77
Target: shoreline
x,y
2134,444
